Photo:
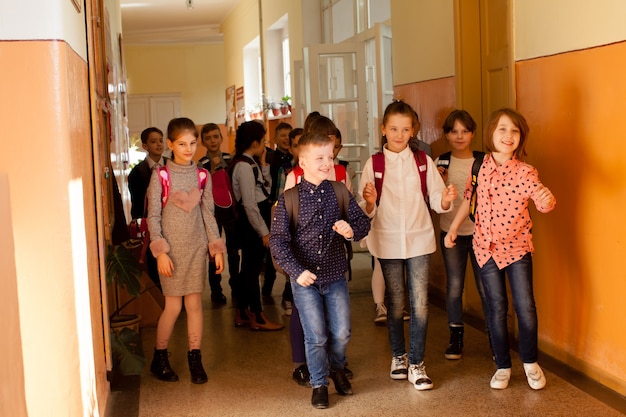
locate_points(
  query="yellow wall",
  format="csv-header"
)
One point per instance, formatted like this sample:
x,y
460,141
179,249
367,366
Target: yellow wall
x,y
196,71
240,28
574,103
423,40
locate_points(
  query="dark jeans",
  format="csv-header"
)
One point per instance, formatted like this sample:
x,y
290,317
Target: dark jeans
x,y
455,260
520,276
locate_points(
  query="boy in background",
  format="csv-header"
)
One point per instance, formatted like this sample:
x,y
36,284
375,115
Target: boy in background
x,y
138,180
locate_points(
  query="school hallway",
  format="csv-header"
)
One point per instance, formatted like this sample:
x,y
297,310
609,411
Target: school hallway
x,y
250,372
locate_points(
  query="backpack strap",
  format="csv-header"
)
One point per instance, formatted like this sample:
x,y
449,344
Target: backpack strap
x,y
292,205
343,198
444,160
378,164
164,177
340,173
478,161
422,169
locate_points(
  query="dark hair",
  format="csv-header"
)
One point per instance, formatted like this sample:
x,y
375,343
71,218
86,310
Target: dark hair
x,y
179,125
248,133
146,132
309,119
518,120
281,126
322,124
314,139
210,127
298,131
463,117
401,108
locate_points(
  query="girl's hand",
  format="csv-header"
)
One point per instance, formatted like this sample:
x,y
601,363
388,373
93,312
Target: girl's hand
x,y
344,229
545,196
165,265
306,278
219,263
266,240
448,196
448,241
370,195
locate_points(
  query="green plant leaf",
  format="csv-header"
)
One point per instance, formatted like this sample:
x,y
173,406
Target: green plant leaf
x,y
123,268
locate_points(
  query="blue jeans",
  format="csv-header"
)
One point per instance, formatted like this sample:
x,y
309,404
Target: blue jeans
x,y
455,260
325,317
520,276
417,277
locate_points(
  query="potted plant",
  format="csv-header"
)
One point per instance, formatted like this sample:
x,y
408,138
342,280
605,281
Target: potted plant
x,y
285,101
276,108
124,272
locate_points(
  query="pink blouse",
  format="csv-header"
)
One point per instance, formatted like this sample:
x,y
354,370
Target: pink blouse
x,y
503,223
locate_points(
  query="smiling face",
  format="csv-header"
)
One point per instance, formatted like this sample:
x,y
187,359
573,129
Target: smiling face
x,y
183,147
399,130
459,137
316,161
282,140
506,137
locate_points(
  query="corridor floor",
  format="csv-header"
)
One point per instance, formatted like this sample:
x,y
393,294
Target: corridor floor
x,y
250,372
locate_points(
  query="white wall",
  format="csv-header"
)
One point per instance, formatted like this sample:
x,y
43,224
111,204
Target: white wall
x,y
44,19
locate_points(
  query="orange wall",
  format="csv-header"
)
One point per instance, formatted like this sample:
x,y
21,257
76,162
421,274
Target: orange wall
x,y
51,197
575,105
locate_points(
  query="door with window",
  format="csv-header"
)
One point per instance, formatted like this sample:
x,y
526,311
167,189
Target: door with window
x,y
334,80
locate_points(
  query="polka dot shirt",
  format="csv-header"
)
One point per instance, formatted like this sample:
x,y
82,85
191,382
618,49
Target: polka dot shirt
x,y
503,223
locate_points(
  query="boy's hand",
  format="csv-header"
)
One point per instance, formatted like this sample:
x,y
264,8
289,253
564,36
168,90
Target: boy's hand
x,y
165,265
306,278
444,173
266,240
344,229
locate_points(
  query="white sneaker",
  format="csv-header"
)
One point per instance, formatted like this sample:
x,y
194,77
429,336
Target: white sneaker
x,y
418,377
534,375
500,380
381,313
399,367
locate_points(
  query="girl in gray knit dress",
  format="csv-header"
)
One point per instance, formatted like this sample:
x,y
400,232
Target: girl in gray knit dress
x,y
183,232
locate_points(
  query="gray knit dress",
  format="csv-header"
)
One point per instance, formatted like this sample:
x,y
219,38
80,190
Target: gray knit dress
x,y
185,228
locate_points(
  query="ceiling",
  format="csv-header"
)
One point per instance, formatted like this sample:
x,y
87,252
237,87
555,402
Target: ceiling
x,y
172,21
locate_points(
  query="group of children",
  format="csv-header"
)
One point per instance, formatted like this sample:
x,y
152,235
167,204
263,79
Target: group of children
x,y
393,214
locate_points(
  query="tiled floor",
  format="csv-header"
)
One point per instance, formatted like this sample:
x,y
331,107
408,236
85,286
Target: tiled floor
x,y
250,374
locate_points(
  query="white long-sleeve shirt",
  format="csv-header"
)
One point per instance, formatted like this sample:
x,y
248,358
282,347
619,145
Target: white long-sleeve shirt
x,y
402,227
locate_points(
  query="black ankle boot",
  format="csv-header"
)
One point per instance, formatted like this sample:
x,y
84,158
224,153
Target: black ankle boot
x,y
160,366
198,376
455,348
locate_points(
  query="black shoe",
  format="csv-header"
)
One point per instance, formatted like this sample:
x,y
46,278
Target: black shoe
x,y
348,373
160,366
218,298
342,385
301,375
198,376
319,399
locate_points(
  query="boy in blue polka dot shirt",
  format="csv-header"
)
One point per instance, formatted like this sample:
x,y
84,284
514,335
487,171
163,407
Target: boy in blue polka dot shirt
x,y
315,255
